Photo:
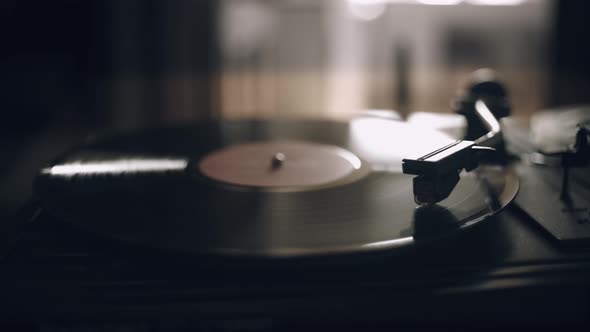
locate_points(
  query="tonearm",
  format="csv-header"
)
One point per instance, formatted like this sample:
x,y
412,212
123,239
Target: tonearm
x,y
437,172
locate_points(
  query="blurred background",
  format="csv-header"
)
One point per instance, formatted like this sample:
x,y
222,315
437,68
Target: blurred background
x,y
73,68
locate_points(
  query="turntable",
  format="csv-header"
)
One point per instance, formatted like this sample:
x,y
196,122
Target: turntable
x,y
265,224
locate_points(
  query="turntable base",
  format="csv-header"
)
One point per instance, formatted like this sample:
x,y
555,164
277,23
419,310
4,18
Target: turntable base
x,y
505,273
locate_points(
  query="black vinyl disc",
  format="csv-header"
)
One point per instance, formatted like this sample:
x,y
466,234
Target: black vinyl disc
x,y
264,189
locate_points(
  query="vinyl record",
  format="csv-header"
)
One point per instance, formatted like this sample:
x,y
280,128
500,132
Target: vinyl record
x,y
265,189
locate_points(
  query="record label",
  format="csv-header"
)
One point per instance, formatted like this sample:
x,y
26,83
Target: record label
x,y
281,165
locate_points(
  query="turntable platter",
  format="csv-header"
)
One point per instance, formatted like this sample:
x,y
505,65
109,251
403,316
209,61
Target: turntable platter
x,y
173,188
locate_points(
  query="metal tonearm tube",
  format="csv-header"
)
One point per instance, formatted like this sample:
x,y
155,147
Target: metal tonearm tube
x,y
494,136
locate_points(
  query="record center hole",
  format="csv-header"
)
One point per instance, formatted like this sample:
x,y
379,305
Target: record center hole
x,y
278,159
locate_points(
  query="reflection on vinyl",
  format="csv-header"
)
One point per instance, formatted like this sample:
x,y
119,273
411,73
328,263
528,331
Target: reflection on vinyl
x,y
264,189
